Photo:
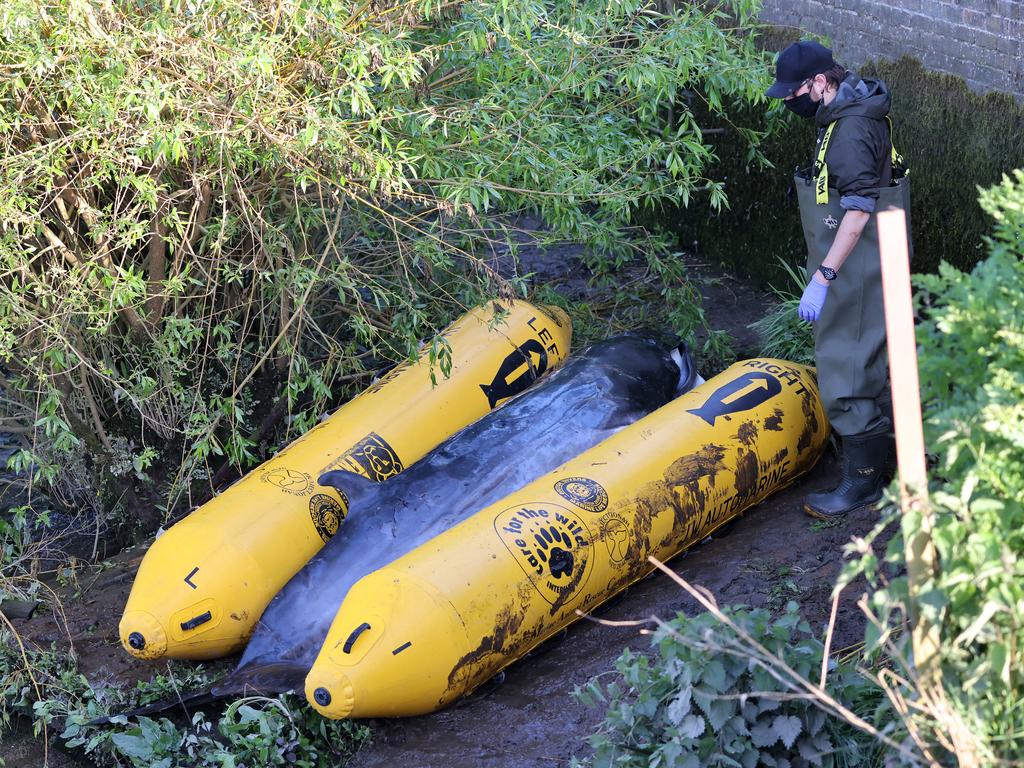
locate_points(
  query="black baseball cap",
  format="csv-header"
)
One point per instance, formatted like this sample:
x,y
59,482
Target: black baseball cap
x,y
795,64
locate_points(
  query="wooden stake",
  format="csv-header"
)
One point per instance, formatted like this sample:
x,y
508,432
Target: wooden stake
x,y
906,406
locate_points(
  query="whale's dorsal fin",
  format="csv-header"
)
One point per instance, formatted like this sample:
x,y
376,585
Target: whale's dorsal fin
x,y
351,485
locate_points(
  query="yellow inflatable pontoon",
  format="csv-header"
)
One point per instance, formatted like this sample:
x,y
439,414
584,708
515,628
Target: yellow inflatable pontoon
x,y
205,582
416,635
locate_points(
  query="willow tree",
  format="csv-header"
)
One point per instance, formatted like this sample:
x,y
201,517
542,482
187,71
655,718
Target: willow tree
x,y
209,206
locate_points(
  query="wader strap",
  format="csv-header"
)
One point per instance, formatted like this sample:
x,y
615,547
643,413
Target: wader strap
x,y
821,179
897,158
821,167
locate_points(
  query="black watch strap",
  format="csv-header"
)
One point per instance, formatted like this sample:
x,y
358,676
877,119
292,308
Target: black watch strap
x,y
828,273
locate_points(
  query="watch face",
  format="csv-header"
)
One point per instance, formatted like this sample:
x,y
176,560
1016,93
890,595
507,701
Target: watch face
x,y
828,272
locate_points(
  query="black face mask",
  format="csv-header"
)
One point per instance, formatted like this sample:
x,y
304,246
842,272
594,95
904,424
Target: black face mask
x,y
802,105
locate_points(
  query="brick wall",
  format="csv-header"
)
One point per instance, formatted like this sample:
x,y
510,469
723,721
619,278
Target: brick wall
x,y
982,41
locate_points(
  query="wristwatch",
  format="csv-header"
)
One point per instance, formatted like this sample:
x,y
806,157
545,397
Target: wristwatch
x,y
829,273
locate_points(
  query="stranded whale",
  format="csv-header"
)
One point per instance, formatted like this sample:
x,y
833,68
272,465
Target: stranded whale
x,y
599,391
434,624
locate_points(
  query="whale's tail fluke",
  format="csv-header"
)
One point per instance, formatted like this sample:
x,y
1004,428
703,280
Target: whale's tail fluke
x,y
188,702
254,680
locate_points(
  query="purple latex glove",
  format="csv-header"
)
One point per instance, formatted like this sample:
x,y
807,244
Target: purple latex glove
x,y
812,301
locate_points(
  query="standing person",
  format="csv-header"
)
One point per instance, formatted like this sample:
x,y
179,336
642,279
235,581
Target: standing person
x,y
855,172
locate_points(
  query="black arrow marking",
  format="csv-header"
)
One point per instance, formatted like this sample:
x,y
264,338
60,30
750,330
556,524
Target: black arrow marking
x,y
500,387
741,394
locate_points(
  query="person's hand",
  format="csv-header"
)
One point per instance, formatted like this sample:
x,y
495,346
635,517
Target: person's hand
x,y
812,301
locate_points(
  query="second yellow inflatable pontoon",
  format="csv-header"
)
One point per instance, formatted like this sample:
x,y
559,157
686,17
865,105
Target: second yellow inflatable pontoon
x,y
205,582
434,624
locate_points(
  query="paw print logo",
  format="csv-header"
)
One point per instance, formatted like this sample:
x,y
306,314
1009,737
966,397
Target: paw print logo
x,y
552,545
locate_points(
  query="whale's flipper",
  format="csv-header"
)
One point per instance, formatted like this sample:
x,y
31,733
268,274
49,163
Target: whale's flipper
x,y
351,485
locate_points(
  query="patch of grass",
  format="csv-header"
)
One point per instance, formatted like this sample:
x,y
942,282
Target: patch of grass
x,y
781,593
784,335
824,525
780,575
734,694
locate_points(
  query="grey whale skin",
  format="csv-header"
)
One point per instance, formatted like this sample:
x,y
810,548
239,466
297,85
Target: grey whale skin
x,y
598,391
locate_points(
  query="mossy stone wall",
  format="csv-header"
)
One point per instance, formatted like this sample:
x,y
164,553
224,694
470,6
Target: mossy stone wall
x,y
953,139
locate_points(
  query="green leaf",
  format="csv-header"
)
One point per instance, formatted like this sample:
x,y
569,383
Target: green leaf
x,y
787,728
692,727
713,675
134,745
719,712
679,707
762,734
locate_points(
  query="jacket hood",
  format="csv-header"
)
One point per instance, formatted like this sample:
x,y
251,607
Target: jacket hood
x,y
856,96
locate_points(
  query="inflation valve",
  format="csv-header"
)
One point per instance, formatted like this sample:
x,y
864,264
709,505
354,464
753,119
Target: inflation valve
x,y
322,697
136,641
195,621
347,648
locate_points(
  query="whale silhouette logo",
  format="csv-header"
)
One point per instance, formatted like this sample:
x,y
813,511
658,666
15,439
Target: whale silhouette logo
x,y
741,394
522,357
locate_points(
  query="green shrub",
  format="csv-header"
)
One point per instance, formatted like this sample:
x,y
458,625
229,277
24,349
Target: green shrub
x,y
207,208
972,361
972,381
783,334
972,384
706,700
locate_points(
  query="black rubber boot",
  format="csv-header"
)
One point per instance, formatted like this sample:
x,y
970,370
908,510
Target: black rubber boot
x,y
862,480
891,465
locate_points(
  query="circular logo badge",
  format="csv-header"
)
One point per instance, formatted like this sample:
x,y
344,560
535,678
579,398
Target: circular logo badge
x,y
583,492
372,457
552,545
289,480
326,514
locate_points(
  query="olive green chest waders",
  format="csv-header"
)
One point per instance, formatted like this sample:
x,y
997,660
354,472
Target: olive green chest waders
x,y
849,336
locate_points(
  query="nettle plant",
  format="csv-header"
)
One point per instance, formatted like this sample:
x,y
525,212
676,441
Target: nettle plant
x,y
207,208
704,699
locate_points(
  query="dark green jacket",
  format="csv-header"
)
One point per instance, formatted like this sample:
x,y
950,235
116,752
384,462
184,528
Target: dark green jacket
x,y
859,151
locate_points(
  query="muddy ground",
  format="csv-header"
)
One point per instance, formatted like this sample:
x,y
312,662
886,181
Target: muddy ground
x,y
772,554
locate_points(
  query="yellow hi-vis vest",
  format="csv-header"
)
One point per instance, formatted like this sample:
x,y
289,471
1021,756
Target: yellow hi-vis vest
x,y
820,171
